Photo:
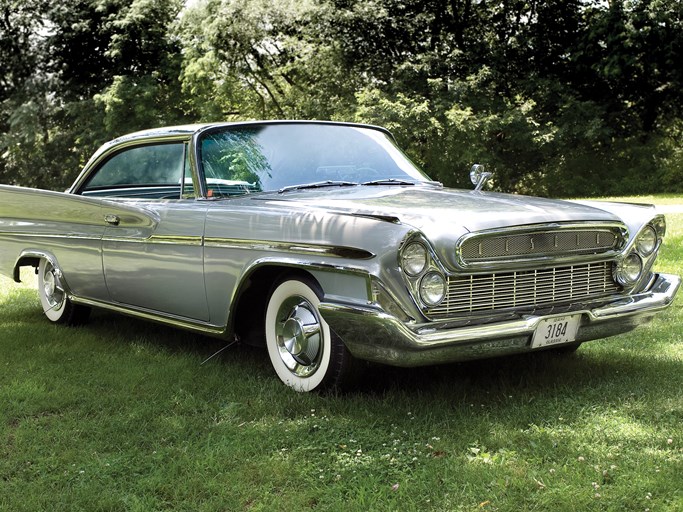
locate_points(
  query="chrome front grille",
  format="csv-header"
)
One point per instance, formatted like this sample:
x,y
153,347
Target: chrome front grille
x,y
510,246
525,289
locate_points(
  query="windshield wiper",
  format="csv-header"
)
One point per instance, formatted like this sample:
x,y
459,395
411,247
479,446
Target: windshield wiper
x,y
395,181
388,181
318,184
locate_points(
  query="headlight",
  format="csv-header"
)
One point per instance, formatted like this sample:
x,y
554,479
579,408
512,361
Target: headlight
x,y
628,270
647,241
432,288
414,259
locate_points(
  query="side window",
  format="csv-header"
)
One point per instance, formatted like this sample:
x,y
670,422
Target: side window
x,y
145,172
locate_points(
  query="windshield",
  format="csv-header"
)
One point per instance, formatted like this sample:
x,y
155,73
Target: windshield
x,y
279,157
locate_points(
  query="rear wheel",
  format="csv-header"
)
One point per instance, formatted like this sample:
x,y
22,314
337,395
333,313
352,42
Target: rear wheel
x,y
305,354
57,307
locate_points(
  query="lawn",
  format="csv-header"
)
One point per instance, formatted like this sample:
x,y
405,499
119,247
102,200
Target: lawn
x,y
122,415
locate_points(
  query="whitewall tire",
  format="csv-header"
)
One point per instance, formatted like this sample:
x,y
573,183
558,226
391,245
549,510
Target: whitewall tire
x,y
305,354
57,307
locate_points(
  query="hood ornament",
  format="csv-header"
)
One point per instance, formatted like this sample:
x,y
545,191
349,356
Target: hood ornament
x,y
479,176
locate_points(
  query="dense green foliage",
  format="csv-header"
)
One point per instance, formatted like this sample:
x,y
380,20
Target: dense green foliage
x,y
558,97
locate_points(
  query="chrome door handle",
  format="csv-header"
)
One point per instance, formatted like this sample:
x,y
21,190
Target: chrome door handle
x,y
112,219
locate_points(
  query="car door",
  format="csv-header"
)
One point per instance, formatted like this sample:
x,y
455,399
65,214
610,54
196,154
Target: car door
x,y
152,248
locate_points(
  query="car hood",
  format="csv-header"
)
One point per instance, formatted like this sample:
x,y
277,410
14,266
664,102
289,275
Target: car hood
x,y
433,210
442,215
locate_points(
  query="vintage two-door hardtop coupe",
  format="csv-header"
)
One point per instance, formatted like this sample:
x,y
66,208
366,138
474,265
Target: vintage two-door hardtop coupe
x,y
325,243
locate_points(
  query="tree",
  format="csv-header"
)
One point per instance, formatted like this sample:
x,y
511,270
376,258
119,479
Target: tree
x,y
255,59
95,69
557,97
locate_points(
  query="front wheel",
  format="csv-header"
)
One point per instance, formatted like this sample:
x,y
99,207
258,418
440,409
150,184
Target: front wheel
x,y
57,307
305,354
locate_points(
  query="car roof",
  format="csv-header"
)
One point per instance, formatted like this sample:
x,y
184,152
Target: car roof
x,y
191,129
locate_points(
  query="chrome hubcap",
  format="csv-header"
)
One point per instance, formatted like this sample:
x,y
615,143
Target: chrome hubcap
x,y
299,336
51,288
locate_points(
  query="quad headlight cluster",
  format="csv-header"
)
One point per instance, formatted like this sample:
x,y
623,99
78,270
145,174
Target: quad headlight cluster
x,y
424,276
628,271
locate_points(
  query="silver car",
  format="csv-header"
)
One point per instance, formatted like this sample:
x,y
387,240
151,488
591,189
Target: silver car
x,y
324,243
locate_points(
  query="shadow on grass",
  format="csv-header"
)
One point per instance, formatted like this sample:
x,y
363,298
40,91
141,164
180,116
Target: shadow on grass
x,y
533,372
22,313
531,375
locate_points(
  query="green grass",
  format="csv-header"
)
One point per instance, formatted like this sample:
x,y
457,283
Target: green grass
x,y
659,199
122,415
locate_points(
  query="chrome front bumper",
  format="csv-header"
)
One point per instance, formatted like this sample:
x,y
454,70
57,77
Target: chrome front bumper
x,y
374,335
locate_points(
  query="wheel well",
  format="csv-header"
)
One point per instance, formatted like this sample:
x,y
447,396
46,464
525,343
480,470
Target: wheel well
x,y
248,313
25,261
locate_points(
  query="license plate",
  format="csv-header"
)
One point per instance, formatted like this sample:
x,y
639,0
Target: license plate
x,y
556,331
